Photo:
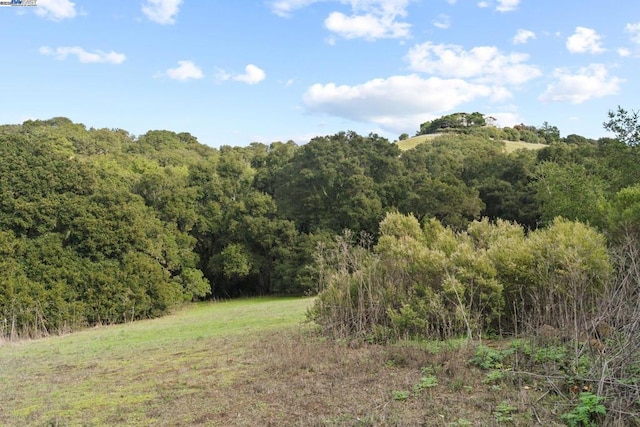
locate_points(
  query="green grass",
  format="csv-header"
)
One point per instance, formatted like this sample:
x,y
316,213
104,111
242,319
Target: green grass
x,y
510,146
410,143
125,374
250,362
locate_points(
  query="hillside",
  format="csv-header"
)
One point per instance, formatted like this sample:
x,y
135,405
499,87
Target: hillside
x,y
510,146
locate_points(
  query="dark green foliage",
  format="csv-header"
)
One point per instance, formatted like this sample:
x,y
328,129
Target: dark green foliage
x,y
101,226
337,182
452,121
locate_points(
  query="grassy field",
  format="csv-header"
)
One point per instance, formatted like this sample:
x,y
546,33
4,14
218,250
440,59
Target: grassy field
x,y
250,363
510,146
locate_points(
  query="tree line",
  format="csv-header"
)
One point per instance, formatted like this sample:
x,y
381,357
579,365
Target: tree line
x,y
101,226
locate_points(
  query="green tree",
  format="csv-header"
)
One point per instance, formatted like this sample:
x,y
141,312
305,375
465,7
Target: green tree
x,y
625,125
549,133
569,191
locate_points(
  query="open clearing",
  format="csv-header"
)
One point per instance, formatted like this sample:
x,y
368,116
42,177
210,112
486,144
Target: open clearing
x,y
509,146
250,362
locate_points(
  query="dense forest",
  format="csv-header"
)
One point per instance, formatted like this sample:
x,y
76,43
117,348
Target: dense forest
x,y
100,226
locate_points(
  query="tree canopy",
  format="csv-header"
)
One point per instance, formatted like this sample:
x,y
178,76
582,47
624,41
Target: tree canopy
x,y
101,226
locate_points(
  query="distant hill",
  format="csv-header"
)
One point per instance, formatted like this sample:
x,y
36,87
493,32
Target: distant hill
x,y
510,146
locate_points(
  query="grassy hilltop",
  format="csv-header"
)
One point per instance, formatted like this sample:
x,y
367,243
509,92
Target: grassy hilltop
x,y
510,146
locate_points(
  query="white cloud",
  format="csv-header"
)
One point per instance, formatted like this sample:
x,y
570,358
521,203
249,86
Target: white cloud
x,y
634,30
507,5
443,21
523,36
251,76
624,52
368,26
394,103
482,63
369,19
585,40
506,119
84,56
483,4
588,83
186,70
161,11
56,9
284,8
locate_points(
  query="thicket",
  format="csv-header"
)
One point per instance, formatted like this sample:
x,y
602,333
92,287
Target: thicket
x,y
490,279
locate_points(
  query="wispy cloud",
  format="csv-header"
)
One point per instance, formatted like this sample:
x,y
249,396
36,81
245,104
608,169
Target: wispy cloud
x,y
507,5
442,21
284,8
634,30
56,10
85,57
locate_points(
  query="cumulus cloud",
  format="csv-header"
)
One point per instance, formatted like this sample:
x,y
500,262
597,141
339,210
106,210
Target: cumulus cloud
x,y
634,30
367,26
506,119
393,103
84,56
507,5
523,36
252,75
483,4
588,83
585,40
161,11
482,63
371,19
368,19
56,9
186,70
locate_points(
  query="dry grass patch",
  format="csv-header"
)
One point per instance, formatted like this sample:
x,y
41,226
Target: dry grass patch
x,y
300,379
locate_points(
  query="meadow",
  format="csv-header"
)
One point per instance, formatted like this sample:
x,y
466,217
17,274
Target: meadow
x,y
253,362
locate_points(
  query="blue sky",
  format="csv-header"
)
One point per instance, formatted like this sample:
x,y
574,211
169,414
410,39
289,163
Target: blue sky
x,y
236,72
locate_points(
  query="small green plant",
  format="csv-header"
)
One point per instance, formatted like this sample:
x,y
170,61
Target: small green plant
x,y
401,395
425,382
493,377
550,354
504,412
587,411
488,358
